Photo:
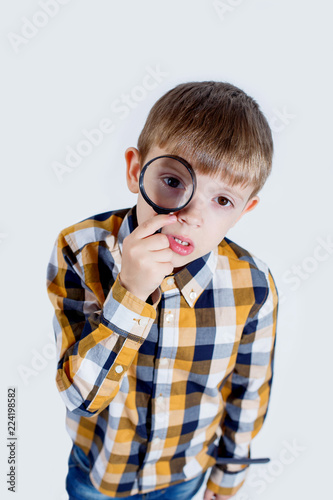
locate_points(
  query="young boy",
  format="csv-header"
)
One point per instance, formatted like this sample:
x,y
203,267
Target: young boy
x,y
166,339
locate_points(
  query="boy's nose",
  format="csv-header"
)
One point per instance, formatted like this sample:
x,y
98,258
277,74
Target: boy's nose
x,y
192,214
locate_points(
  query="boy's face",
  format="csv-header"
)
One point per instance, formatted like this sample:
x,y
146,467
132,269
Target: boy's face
x,y
204,222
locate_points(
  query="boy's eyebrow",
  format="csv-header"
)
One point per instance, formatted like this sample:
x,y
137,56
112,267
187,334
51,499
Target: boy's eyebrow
x,y
231,191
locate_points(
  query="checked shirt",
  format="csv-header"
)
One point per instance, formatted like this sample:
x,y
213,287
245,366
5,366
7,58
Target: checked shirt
x,y
155,391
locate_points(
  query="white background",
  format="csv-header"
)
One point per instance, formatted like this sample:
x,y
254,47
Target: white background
x,y
64,79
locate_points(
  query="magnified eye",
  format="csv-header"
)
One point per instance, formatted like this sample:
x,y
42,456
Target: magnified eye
x,y
173,182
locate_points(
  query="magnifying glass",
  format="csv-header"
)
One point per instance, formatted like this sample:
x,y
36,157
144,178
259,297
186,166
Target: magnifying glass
x,y
167,183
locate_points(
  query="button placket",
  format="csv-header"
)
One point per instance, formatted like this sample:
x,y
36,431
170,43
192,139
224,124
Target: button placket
x,y
164,374
160,400
169,317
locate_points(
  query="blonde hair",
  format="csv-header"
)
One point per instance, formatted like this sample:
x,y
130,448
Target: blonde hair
x,y
216,127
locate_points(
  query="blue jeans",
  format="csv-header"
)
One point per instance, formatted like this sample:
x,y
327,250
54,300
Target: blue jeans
x,y
79,486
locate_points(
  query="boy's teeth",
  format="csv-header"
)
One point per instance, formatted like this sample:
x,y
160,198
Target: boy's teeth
x,y
184,243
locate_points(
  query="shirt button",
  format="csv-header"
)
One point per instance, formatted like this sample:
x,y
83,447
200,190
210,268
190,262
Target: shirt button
x,y
156,441
169,317
143,321
119,369
170,281
160,400
163,361
193,295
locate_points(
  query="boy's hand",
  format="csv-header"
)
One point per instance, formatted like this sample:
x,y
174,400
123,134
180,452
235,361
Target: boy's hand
x,y
210,495
147,257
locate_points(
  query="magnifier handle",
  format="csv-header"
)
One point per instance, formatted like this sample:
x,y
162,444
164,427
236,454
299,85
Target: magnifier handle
x,y
226,460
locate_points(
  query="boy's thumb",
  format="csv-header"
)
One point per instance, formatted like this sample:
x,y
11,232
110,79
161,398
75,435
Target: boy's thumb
x,y
209,495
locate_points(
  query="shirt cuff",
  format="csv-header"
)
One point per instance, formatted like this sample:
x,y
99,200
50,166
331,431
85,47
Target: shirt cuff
x,y
126,314
226,483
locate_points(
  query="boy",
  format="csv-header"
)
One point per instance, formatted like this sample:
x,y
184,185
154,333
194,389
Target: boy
x,y
166,340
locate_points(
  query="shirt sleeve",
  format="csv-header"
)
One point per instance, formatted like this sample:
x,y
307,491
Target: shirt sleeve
x,y
96,343
246,393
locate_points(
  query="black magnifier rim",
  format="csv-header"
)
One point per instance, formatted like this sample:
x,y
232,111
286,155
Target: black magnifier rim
x,y
157,208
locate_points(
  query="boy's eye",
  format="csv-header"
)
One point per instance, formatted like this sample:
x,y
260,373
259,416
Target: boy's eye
x,y
173,182
221,200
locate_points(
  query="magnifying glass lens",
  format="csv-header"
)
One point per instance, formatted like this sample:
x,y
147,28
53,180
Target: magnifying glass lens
x,y
168,183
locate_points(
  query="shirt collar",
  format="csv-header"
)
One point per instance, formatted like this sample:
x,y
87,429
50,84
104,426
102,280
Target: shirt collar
x,y
127,226
192,280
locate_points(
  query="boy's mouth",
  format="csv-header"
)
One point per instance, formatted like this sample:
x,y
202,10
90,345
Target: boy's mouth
x,y
180,244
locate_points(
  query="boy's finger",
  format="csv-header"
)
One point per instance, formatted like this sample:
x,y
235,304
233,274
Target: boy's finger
x,y
150,226
163,256
209,495
156,242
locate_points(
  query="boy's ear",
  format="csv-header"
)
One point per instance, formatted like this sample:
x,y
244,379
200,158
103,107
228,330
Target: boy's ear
x,y
253,202
132,157
250,205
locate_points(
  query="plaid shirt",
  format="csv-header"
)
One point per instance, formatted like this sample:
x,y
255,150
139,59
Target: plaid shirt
x,y
155,391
